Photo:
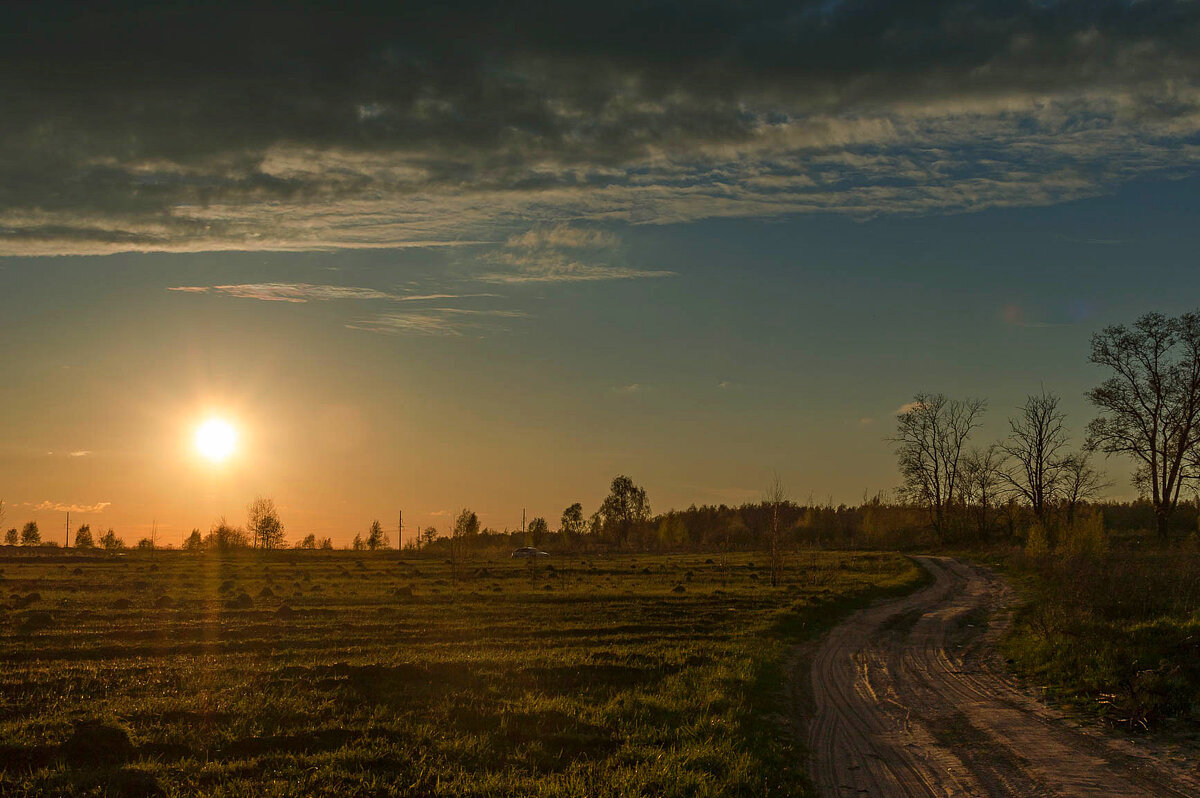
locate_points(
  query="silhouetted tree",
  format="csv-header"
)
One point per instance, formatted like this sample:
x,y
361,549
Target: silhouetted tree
x,y
466,525
427,536
194,542
982,477
1035,447
83,537
375,537
30,536
263,524
11,537
223,537
1080,482
572,526
1150,405
773,501
625,507
358,544
537,531
309,542
931,432
110,541
145,544
326,544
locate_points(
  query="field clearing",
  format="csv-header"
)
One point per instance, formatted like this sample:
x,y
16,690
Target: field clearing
x,y
347,673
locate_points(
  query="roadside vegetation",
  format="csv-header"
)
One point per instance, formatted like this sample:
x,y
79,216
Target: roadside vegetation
x,y
388,673
1115,634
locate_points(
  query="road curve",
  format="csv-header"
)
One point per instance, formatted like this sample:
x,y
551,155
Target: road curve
x,y
908,701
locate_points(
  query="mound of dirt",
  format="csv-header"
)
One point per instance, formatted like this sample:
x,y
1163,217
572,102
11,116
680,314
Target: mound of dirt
x,y
95,743
241,602
35,620
122,604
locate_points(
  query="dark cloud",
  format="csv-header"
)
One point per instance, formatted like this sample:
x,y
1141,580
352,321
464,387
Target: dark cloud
x,y
308,125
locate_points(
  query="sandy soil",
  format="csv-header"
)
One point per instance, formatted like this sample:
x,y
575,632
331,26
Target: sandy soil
x,y
908,699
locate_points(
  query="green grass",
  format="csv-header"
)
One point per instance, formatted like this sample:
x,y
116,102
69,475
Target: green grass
x,y
352,674
1116,637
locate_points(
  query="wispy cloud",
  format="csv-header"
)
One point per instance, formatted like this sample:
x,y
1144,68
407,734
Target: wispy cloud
x,y
286,292
455,322
306,292
80,453
563,254
629,389
907,407
60,507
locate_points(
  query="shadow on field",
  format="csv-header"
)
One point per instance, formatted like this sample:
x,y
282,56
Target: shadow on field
x,y
96,757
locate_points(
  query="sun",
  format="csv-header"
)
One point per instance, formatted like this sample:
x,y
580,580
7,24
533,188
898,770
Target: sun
x,y
215,439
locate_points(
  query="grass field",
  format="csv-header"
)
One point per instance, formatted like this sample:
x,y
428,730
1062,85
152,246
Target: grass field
x,y
349,674
1116,636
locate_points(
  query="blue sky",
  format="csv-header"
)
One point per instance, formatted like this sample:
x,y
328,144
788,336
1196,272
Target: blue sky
x,y
780,345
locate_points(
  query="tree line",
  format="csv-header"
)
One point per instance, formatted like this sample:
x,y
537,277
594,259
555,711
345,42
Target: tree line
x,y
1033,480
1148,410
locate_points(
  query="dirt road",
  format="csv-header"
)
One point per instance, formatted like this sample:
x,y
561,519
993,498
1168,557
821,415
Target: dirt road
x,y
909,700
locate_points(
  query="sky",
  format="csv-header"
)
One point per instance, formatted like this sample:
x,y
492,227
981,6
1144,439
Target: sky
x,y
441,255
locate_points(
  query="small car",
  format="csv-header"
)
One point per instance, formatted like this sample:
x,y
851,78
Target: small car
x,y
525,552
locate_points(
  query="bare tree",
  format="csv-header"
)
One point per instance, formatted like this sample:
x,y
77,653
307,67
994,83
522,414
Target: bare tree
x,y
1150,405
982,480
1080,482
1035,447
263,524
931,432
774,499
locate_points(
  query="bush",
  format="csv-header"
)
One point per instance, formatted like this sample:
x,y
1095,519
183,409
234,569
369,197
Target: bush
x,y
1086,537
1037,542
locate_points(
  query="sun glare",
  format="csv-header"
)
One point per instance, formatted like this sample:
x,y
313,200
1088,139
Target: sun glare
x,y
215,439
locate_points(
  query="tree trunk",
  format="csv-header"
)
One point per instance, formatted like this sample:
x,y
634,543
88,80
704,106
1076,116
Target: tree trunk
x,y
1161,517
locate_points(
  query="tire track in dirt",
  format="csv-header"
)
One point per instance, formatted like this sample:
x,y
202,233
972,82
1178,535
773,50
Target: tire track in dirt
x,y
908,700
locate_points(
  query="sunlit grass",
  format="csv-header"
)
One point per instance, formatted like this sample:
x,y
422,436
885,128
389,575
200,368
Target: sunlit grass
x,y
340,673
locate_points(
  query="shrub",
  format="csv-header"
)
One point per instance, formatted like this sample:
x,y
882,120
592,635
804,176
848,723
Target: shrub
x,y
1037,542
1086,537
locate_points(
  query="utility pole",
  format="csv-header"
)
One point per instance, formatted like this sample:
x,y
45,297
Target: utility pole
x,y
67,544
400,532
